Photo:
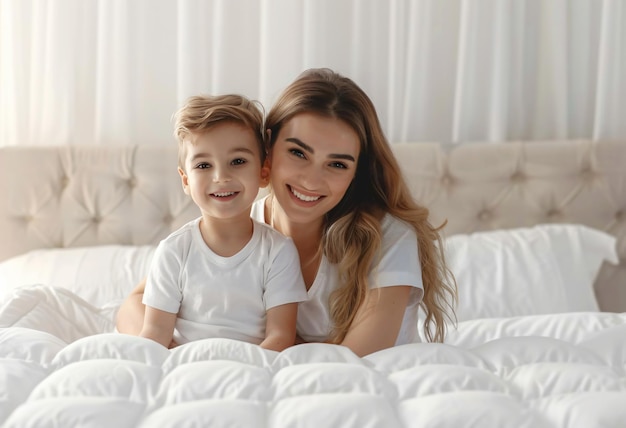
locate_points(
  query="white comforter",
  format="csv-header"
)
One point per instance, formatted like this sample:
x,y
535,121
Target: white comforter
x,y
61,365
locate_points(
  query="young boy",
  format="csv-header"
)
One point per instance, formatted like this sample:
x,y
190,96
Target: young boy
x,y
223,274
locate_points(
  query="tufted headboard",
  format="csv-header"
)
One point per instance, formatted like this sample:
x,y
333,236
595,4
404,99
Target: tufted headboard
x,y
73,196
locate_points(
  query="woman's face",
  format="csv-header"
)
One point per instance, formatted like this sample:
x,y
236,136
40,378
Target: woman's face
x,y
312,162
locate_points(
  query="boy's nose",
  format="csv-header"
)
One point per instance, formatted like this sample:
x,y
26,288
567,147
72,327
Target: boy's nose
x,y
220,175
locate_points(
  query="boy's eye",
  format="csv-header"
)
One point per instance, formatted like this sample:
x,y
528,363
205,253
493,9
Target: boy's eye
x,y
297,152
203,165
238,161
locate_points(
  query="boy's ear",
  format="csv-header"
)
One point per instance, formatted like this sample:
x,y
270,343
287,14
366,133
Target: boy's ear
x,y
184,180
265,173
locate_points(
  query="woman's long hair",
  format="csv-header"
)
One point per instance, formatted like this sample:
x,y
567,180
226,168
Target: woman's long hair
x,y
352,234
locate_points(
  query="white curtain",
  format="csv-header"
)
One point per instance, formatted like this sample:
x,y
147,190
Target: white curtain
x,y
114,71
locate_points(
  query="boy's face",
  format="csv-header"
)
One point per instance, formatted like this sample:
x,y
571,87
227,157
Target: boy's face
x,y
223,170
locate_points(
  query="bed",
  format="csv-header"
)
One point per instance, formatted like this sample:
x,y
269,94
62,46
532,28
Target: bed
x,y
536,236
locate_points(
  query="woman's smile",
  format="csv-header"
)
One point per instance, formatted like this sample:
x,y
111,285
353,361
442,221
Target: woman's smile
x,y
304,196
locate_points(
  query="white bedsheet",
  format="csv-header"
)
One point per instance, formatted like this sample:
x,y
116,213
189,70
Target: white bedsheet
x,y
61,365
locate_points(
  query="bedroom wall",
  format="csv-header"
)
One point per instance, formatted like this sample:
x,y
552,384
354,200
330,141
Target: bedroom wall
x,y
112,72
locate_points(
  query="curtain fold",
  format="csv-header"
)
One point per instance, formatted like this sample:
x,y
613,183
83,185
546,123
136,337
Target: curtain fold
x,y
457,71
609,120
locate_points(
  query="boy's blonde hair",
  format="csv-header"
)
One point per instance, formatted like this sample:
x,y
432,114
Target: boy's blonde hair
x,y
201,113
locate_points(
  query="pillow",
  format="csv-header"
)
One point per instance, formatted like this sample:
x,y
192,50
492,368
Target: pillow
x,y
527,271
544,269
100,275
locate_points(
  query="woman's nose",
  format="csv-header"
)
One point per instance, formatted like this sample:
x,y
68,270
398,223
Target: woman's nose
x,y
312,177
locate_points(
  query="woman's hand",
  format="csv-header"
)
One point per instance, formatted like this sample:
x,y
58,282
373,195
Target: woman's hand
x,y
378,320
299,340
129,319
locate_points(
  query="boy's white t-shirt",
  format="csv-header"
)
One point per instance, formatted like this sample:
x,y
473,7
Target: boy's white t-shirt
x,y
399,265
217,296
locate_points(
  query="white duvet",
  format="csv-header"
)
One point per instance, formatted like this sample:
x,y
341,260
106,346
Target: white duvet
x,y
61,365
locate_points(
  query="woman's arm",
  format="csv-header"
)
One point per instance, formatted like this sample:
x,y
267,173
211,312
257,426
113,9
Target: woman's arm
x,y
131,313
280,327
158,325
378,320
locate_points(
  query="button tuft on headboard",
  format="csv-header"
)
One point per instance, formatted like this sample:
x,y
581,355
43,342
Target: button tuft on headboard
x,y
485,215
587,174
447,180
554,214
518,177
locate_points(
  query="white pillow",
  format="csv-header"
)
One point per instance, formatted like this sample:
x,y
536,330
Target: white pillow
x,y
528,271
503,273
100,275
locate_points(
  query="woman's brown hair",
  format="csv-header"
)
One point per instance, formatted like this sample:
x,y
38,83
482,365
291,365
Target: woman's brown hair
x,y
352,235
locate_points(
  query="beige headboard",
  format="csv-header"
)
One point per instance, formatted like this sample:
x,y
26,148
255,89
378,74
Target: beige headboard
x,y
92,195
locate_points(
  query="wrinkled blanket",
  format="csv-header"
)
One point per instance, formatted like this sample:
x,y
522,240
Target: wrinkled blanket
x,y
61,365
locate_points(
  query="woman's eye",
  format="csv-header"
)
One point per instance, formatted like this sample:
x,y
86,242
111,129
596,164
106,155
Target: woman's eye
x,y
297,152
238,161
338,165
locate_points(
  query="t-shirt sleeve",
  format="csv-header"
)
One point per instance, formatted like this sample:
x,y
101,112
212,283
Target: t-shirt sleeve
x,y
399,263
162,285
284,282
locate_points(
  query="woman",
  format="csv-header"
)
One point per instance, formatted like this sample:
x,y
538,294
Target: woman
x,y
338,192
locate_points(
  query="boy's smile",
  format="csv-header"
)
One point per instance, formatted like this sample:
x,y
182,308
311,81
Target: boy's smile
x,y
224,196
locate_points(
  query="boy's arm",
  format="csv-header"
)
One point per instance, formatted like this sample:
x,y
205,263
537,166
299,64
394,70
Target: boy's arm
x,y
158,325
280,327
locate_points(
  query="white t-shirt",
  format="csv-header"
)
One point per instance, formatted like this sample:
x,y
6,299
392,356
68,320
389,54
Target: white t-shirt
x,y
217,296
399,265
